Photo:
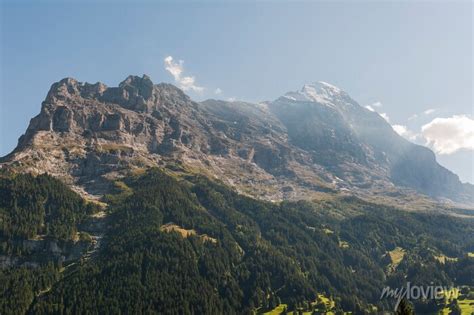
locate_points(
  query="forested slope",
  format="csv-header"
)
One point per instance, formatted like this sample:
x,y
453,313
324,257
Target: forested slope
x,y
190,245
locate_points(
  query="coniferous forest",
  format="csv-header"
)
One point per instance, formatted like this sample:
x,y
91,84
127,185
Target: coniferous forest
x,y
189,245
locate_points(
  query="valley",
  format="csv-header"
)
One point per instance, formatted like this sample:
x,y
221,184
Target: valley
x,y
135,199
261,254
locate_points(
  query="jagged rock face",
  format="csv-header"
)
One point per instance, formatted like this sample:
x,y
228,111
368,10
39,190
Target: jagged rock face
x,y
85,131
319,128
324,120
90,134
306,142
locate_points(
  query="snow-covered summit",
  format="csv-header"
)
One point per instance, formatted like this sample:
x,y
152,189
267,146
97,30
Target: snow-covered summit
x,y
320,92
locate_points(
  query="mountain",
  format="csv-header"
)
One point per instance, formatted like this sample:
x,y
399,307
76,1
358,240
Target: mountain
x,y
351,141
156,204
302,145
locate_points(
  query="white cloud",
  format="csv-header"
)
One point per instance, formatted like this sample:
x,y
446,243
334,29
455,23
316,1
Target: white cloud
x,y
385,116
375,104
448,135
405,132
176,69
426,112
217,91
231,99
400,129
414,116
429,111
372,109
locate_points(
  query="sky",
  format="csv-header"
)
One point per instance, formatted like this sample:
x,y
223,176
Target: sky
x,y
410,61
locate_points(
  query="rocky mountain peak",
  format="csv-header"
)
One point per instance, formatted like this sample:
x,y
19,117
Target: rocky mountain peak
x,y
312,140
322,88
137,86
141,95
318,92
135,93
69,88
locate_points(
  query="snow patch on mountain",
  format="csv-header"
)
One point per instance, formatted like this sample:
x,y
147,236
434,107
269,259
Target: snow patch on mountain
x,y
317,92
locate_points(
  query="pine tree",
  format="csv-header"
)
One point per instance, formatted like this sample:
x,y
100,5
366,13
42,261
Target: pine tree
x,y
405,308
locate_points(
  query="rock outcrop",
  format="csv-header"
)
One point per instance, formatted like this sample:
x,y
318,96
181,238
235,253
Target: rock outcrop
x,y
305,143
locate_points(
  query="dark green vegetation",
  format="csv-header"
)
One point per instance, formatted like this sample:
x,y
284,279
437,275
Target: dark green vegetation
x,y
35,212
264,254
20,285
37,206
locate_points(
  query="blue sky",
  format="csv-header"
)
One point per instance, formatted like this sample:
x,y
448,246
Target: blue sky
x,y
413,58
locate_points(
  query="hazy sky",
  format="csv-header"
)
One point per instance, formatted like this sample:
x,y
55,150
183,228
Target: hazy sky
x,y
410,60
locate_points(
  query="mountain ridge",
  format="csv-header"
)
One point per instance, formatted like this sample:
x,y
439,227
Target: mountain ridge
x,y
302,145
